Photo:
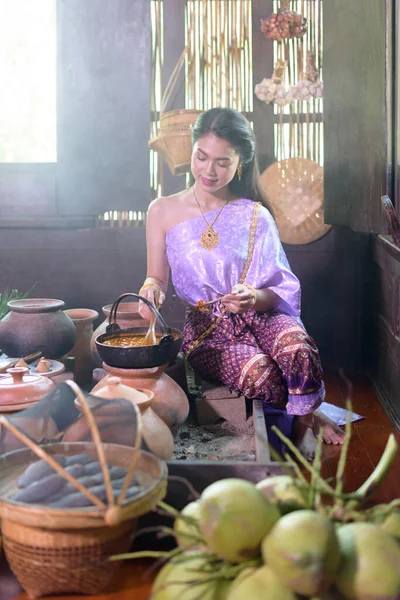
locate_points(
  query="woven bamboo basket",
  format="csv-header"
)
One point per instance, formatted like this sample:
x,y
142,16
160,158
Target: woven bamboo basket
x,y
65,550
174,138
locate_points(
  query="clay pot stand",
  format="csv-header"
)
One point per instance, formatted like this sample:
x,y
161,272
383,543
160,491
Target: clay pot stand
x,y
200,473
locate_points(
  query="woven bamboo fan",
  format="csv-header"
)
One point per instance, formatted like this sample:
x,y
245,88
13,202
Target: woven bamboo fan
x,y
174,139
58,550
295,190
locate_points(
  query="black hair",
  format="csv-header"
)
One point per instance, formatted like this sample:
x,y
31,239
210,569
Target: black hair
x,y
230,125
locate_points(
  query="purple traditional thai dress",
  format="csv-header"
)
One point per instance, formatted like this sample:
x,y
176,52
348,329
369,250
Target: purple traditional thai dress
x,y
261,355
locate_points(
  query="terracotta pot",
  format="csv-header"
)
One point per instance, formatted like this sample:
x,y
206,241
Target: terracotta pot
x,y
170,401
84,364
127,316
156,435
18,387
36,324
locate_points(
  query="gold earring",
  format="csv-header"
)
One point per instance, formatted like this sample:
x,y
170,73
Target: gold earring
x,y
239,172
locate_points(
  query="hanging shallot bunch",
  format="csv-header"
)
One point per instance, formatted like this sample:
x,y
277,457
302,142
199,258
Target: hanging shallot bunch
x,y
283,25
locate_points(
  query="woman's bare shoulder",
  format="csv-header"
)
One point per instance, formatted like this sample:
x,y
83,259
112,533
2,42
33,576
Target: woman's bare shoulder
x,y
168,202
167,211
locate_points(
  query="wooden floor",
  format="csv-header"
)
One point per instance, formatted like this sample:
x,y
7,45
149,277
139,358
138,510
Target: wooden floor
x,y
367,444
368,440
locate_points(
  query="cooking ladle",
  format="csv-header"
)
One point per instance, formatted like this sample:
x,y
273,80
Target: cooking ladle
x,y
114,327
150,338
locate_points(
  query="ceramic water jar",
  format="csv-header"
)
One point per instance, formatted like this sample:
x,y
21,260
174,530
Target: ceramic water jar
x,y
36,324
84,363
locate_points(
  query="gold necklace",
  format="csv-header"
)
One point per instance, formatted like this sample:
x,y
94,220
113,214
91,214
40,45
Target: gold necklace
x,y
209,237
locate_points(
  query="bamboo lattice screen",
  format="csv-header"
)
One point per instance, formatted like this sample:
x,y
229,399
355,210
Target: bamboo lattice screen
x,y
219,72
219,58
298,131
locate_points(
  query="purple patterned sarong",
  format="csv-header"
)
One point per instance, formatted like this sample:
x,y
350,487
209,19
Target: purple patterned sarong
x,y
261,355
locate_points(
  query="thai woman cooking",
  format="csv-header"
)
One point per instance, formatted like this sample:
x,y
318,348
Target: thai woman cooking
x,y
220,243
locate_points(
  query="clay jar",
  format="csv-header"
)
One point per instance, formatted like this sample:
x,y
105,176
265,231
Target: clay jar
x,y
156,435
83,320
21,388
36,324
170,401
127,316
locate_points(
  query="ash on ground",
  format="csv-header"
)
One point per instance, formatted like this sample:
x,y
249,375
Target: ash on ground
x,y
222,441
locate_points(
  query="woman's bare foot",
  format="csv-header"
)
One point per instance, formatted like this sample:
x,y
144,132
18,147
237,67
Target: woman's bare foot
x,y
304,439
306,430
332,434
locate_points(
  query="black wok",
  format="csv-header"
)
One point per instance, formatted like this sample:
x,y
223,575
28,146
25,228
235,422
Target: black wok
x,y
138,357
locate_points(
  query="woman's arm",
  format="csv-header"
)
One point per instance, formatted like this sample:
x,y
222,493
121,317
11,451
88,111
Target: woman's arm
x,y
156,282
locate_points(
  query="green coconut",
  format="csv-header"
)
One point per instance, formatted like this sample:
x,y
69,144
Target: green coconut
x,y
370,567
234,518
303,551
391,524
184,528
244,574
260,584
183,578
283,491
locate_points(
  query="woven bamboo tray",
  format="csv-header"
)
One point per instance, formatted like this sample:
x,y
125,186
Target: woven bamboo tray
x,y
55,551
294,188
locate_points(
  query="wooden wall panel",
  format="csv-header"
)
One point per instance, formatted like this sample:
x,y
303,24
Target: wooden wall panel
x,y
174,43
356,105
104,56
386,367
27,190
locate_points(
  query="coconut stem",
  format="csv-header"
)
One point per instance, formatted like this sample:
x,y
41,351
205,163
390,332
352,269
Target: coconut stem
x,y
144,554
324,486
185,482
296,469
378,475
343,455
314,495
169,510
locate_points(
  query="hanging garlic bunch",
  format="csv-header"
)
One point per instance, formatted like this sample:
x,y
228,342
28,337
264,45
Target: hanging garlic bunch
x,y
305,90
283,95
302,90
317,89
273,89
266,90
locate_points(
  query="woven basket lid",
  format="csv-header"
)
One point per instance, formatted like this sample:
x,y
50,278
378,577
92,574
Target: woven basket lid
x,y
294,188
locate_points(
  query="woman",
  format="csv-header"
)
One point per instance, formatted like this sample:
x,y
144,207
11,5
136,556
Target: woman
x,y
222,245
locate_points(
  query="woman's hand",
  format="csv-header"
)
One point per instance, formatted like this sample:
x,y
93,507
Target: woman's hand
x,y
153,294
240,300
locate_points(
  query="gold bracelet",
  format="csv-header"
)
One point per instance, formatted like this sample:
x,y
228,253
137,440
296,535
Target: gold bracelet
x,y
148,285
253,290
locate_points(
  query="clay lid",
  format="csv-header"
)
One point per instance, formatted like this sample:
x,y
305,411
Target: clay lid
x,y
43,366
115,389
18,387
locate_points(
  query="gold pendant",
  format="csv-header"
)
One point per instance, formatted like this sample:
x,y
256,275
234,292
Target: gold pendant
x,y
209,239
